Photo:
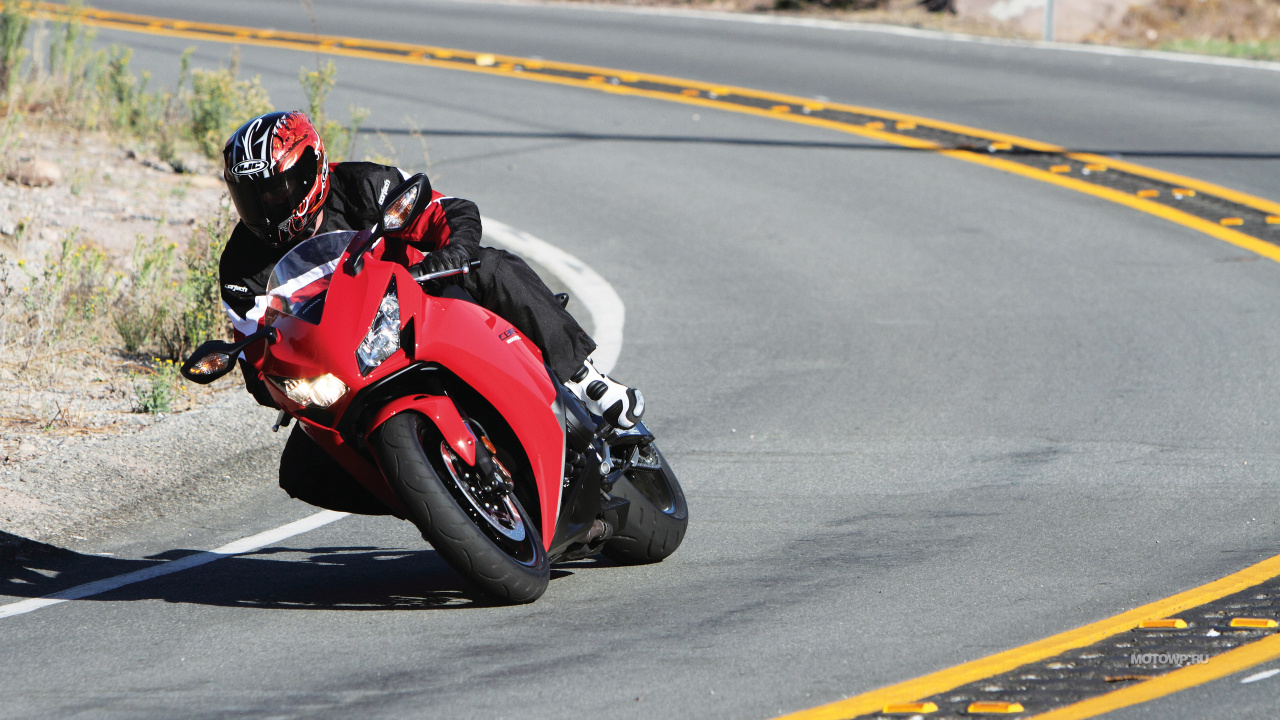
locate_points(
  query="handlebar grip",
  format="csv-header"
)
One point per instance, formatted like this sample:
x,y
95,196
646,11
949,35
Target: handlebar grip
x,y
463,270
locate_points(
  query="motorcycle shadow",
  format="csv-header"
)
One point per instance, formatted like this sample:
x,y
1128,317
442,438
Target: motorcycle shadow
x,y
279,577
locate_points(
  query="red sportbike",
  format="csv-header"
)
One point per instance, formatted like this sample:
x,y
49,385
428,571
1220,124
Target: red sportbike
x,y
449,416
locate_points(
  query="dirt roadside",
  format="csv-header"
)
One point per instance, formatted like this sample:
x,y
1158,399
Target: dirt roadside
x,y
1237,28
108,199
77,456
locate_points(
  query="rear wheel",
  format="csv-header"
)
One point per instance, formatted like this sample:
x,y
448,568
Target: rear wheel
x,y
469,517
657,516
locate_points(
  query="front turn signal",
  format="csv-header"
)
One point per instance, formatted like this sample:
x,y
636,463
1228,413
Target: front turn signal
x,y
210,364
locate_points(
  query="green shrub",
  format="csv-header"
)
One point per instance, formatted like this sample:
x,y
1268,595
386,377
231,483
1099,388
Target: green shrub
x,y
14,23
132,109
339,140
219,103
75,70
171,126
134,324
199,315
155,391
165,299
64,296
141,306
1248,49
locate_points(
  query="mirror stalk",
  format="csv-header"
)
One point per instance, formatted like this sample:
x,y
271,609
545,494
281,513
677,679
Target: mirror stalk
x,y
407,201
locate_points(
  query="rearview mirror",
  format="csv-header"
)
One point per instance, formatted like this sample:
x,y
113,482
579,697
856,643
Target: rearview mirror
x,y
209,362
406,202
216,358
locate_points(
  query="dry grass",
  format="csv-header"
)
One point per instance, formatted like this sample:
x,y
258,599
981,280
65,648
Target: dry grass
x,y
907,13
1236,28
86,339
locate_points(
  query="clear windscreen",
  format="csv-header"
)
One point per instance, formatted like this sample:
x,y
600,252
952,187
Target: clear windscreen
x,y
301,277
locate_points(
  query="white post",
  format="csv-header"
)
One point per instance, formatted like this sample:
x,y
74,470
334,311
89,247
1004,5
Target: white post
x,y
1048,21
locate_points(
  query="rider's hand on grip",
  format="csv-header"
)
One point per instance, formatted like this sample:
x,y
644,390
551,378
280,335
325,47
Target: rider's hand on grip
x,y
448,257
444,259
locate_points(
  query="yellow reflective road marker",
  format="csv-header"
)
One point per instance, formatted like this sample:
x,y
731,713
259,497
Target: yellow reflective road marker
x,y
984,707
1165,623
913,708
1253,623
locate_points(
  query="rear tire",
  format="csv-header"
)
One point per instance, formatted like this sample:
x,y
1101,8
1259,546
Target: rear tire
x,y
509,571
657,517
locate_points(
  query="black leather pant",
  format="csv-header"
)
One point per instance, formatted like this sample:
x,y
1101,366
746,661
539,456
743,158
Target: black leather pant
x,y
507,286
311,475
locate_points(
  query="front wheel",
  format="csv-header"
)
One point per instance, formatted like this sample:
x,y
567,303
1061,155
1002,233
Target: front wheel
x,y
657,515
475,524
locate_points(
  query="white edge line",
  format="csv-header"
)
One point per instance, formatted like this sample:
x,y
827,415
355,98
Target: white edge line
x,y
885,29
608,314
592,290
1260,676
244,545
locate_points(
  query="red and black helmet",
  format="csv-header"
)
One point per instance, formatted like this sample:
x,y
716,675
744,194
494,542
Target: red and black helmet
x,y
278,176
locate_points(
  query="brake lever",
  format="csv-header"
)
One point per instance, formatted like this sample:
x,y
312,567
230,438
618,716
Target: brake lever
x,y
465,269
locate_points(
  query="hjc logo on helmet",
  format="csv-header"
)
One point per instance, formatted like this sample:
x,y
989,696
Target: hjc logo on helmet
x,y
249,167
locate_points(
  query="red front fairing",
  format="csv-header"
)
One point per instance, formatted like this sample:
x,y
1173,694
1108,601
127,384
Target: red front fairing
x,y
479,347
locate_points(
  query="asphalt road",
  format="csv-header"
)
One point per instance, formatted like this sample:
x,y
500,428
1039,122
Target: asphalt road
x,y
923,410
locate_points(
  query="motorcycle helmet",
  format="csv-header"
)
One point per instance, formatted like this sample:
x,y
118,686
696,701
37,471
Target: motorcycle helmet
x,y
278,176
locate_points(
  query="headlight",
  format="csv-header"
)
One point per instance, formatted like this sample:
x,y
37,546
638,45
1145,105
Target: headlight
x,y
320,391
383,337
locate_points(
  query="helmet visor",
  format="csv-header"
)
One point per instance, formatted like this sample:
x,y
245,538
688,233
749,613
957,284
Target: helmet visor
x,y
265,203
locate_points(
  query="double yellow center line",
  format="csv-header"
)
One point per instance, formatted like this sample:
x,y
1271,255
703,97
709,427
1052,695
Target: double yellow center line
x,y
1249,222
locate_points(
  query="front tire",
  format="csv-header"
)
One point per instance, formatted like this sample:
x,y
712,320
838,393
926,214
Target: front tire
x,y
657,516
509,566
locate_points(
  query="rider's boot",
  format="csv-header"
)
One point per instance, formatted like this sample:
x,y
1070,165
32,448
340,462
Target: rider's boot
x,y
618,404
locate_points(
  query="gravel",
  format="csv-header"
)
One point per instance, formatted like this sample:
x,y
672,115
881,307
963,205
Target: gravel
x,y
91,489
